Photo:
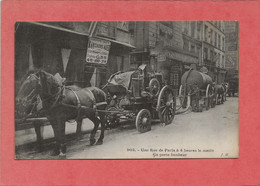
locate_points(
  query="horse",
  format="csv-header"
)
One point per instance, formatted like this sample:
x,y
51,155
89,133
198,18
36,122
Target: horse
x,y
226,87
63,103
220,93
29,105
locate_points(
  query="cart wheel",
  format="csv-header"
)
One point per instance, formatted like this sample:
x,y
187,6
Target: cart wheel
x,y
182,97
143,121
210,97
154,87
166,105
213,101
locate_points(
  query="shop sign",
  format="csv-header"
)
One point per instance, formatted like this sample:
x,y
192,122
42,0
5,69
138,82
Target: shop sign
x,y
103,30
123,25
161,57
97,51
181,57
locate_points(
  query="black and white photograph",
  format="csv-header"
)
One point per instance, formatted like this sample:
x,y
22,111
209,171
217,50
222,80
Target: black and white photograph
x,y
126,89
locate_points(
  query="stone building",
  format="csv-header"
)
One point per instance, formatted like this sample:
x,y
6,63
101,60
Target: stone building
x,y
213,47
192,42
62,47
164,46
231,42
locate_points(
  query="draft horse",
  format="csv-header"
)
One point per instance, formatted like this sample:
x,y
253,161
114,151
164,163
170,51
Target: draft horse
x,y
220,91
62,104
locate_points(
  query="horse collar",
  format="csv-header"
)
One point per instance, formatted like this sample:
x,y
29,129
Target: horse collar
x,y
57,97
77,98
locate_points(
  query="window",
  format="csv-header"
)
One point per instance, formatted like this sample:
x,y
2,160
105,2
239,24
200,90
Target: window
x,y
223,62
185,45
192,29
205,32
199,24
215,43
211,54
218,59
205,53
223,43
186,27
218,41
192,48
120,63
211,37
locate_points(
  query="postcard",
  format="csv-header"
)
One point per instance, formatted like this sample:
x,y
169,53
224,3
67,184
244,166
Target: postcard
x,y
126,89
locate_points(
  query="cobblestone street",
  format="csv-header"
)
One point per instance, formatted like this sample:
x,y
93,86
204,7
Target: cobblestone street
x,y
210,134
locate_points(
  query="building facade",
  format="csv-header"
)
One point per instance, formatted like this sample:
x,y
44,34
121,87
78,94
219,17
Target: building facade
x,y
61,47
213,49
192,41
232,43
87,53
164,46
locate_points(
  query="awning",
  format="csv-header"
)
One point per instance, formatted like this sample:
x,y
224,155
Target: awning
x,y
83,34
58,28
115,41
140,52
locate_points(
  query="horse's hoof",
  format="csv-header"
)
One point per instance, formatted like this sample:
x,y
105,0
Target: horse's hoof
x,y
92,141
99,142
62,156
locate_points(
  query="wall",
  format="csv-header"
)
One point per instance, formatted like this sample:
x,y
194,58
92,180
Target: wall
x,y
232,44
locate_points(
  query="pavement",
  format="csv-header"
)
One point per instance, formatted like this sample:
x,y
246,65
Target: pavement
x,y
209,134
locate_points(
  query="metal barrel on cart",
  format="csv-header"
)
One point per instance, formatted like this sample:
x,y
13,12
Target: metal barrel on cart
x,y
197,91
137,95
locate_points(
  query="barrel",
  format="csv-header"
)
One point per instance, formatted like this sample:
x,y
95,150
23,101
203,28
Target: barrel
x,y
194,77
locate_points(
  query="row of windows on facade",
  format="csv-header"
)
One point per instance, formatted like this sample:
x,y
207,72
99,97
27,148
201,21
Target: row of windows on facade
x,y
218,24
193,29
191,47
214,38
214,57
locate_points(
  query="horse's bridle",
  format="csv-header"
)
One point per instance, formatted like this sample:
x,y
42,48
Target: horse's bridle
x,y
31,99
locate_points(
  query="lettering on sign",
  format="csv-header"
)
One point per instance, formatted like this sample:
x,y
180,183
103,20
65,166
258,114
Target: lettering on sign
x,y
98,51
180,57
161,57
103,30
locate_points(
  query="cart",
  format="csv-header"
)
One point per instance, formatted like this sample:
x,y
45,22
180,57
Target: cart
x,y
197,91
139,96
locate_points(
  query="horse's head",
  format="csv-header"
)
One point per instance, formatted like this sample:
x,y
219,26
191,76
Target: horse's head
x,y
27,96
49,85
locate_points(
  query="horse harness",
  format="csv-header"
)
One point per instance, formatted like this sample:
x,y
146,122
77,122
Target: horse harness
x,y
78,106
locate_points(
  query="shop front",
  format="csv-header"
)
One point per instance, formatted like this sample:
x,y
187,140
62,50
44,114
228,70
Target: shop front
x,y
221,75
173,64
50,48
64,48
109,57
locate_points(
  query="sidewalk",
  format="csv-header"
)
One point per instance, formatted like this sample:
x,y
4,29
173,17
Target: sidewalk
x,y
26,136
